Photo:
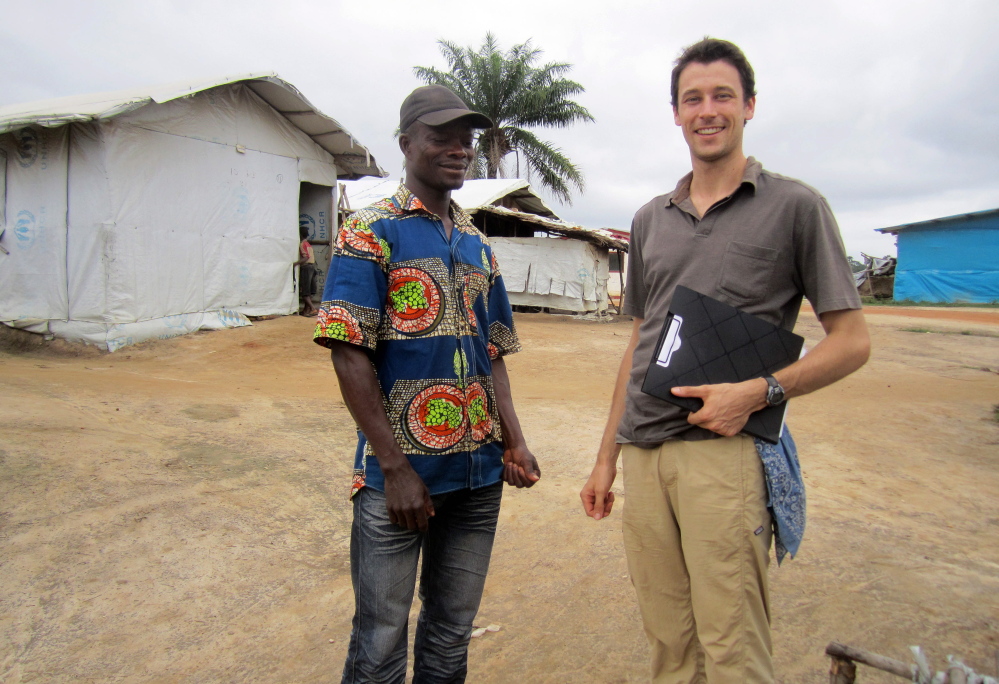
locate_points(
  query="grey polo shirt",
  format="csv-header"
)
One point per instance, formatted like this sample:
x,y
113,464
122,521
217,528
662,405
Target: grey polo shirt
x,y
760,249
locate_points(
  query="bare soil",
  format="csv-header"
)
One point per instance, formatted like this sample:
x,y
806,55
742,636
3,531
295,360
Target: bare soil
x,y
177,511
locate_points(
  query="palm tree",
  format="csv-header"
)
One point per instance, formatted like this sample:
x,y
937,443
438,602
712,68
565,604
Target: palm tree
x,y
515,93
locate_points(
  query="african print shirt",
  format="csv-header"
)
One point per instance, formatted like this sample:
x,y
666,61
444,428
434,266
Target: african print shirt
x,y
434,313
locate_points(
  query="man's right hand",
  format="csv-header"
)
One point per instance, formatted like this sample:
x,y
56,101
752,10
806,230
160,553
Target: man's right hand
x,y
406,496
598,499
408,499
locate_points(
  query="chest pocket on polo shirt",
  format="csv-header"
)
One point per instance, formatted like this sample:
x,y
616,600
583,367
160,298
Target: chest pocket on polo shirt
x,y
747,272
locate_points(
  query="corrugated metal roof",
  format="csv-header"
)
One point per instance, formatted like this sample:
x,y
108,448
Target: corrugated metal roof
x,y
364,191
278,93
480,192
598,236
483,192
940,222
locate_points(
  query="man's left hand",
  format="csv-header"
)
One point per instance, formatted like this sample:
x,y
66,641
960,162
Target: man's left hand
x,y
520,468
727,405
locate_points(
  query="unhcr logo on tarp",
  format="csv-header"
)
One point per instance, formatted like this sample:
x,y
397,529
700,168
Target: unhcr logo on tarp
x,y
25,229
306,221
30,147
176,321
232,319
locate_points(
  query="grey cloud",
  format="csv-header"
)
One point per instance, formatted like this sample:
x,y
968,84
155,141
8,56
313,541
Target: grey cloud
x,y
889,109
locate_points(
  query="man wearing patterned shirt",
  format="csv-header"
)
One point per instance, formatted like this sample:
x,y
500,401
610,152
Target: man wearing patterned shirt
x,y
418,322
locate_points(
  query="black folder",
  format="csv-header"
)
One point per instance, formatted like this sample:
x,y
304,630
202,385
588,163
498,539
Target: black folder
x,y
706,342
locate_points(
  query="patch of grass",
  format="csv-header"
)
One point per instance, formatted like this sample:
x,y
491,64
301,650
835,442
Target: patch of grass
x,y
971,333
982,368
875,301
995,413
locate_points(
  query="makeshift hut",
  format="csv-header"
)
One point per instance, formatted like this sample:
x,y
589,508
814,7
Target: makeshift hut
x,y
546,262
877,279
154,212
950,259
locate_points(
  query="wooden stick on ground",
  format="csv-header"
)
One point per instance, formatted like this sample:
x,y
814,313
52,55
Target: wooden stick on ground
x,y
895,667
842,671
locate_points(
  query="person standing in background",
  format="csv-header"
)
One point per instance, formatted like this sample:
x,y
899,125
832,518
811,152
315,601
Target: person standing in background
x,y
307,274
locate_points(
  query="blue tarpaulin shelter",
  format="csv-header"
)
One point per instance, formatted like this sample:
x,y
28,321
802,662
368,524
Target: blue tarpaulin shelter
x,y
950,259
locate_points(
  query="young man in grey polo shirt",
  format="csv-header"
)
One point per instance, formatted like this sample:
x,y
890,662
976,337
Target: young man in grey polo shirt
x,y
696,523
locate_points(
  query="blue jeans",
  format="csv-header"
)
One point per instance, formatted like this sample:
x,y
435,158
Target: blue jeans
x,y
383,560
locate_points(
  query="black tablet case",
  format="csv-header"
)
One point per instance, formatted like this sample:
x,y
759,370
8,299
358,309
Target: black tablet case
x,y
718,343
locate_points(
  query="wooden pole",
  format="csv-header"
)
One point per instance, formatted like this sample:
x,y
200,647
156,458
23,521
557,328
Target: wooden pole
x,y
895,667
621,256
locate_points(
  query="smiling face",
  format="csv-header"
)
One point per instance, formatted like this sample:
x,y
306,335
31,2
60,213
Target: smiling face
x,y
437,157
711,111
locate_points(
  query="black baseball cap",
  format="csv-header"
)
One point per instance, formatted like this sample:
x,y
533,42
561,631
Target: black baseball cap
x,y
436,105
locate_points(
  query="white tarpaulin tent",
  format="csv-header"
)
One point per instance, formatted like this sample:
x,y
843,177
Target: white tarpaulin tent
x,y
142,214
546,262
570,275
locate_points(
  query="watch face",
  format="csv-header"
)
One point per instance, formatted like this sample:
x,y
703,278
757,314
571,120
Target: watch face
x,y
775,395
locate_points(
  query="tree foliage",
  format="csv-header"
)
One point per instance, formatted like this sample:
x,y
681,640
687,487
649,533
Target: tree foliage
x,y
516,93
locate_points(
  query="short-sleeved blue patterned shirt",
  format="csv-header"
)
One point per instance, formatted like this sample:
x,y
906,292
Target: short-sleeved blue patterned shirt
x,y
434,314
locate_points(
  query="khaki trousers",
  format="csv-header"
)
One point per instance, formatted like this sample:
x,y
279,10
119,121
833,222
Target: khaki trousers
x,y
697,535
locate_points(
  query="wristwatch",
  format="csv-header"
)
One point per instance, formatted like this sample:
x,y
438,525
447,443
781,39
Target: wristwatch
x,y
775,393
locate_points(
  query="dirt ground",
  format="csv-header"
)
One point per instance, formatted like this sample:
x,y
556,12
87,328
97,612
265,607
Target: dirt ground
x,y
177,511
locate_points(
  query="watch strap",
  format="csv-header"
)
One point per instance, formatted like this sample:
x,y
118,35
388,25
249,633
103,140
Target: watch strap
x,y
775,393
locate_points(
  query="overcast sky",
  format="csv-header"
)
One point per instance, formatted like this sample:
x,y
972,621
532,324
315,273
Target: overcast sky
x,y
890,109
